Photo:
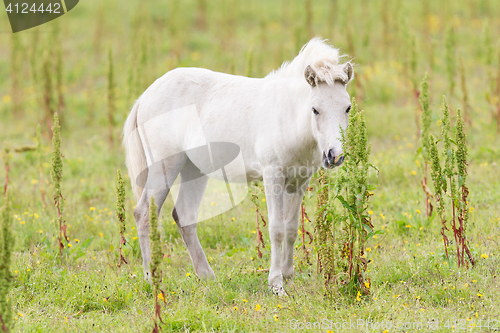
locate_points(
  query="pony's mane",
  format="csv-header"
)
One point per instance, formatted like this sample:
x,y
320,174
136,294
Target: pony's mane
x,y
323,59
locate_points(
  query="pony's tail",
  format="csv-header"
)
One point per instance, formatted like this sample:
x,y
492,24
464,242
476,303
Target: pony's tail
x,y
136,158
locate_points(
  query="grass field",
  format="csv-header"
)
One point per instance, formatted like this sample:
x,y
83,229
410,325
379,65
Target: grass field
x,y
393,44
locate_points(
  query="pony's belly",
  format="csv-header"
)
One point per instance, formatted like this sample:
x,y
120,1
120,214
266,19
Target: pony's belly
x,y
223,161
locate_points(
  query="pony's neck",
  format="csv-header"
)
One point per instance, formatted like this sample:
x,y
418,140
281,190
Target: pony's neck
x,y
300,92
303,116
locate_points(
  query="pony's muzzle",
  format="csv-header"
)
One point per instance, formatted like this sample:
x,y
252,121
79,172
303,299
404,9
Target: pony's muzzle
x,y
330,160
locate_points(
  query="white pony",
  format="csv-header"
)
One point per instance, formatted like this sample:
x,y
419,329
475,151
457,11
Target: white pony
x,y
286,122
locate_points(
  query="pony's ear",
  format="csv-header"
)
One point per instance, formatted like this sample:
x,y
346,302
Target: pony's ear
x,y
349,70
311,76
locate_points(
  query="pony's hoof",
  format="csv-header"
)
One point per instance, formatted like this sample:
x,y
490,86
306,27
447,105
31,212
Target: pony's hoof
x,y
279,291
147,277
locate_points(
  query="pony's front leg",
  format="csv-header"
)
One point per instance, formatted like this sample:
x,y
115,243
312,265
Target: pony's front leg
x,y
274,184
292,212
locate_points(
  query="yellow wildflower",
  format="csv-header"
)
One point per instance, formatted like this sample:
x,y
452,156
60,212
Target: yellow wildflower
x,y
485,256
92,209
257,307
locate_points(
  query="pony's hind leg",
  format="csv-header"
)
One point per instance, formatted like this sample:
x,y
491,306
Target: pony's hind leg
x,y
185,214
161,176
141,215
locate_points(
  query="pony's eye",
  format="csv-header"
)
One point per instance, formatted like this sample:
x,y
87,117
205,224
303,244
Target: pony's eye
x,y
348,109
315,111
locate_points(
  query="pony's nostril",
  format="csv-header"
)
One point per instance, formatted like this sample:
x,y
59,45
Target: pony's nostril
x,y
331,156
340,160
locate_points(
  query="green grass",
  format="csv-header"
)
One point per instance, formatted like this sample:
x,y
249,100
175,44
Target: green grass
x,y
411,279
